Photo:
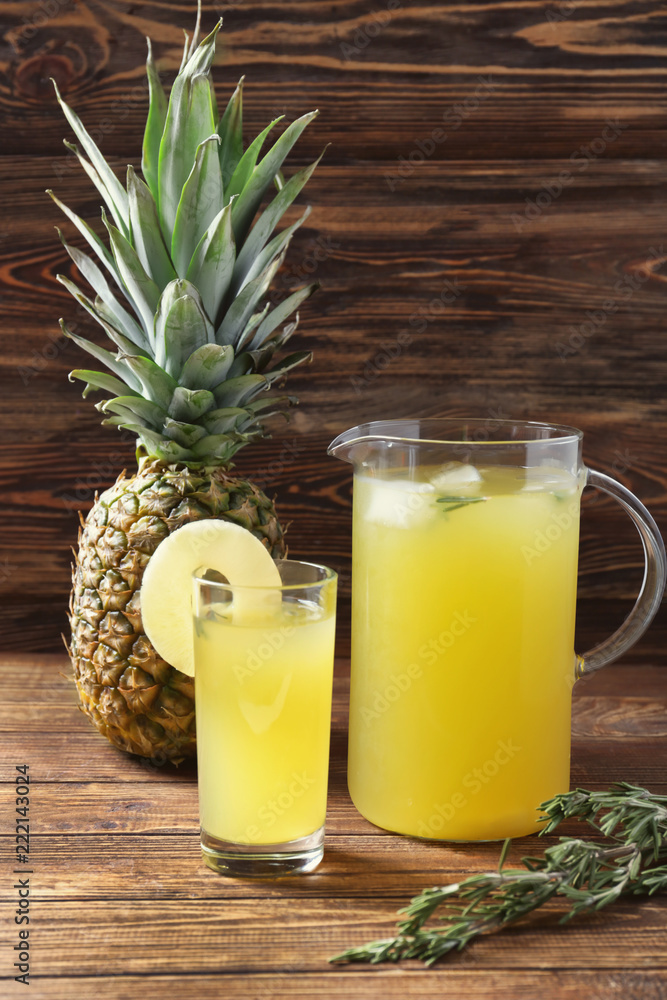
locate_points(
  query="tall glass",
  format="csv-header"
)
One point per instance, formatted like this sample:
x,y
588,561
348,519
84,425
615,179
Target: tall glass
x,y
263,682
465,544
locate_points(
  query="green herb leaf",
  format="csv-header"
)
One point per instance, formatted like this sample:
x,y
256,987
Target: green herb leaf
x,y
588,875
453,503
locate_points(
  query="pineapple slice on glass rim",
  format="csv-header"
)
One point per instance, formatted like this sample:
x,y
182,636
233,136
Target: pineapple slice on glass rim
x,y
167,585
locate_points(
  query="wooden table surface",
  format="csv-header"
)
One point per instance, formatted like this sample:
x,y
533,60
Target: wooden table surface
x,y
122,906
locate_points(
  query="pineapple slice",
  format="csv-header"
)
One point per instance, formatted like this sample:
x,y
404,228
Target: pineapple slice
x,y
167,585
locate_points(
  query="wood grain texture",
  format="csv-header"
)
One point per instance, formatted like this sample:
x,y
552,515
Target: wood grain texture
x,y
495,352
122,906
556,73
515,153
520,984
233,935
561,293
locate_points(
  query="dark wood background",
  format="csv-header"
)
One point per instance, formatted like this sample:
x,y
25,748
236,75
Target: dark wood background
x,y
526,93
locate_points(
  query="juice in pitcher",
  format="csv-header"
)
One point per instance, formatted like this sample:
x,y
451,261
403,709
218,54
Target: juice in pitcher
x,y
464,584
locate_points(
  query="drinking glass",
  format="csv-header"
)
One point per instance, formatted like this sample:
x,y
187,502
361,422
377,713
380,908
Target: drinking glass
x,y
263,684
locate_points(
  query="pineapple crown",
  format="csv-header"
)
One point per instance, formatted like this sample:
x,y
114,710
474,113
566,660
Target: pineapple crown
x,y
194,350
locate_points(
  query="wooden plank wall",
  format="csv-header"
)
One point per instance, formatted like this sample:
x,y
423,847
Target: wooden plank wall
x,y
507,158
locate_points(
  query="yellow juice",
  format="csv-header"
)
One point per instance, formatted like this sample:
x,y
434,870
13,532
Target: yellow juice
x,y
462,649
263,700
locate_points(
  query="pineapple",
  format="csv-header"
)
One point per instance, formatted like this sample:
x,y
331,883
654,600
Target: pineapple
x,y
183,301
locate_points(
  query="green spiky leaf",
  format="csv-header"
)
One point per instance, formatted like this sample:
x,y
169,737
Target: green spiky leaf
x,y
158,445
280,314
258,405
224,420
100,172
195,333
190,404
181,326
287,364
92,239
262,177
100,380
207,367
141,287
157,115
248,162
242,308
237,391
145,231
269,219
190,120
157,385
123,343
129,407
115,314
276,246
183,433
230,130
246,337
212,264
116,365
199,204
218,447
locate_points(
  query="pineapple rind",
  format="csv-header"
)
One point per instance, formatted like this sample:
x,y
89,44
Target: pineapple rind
x,y
136,699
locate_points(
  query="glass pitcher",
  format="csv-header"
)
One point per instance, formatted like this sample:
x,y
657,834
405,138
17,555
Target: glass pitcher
x,y
465,544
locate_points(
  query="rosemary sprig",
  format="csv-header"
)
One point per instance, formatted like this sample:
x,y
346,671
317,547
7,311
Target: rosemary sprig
x,y
453,503
588,874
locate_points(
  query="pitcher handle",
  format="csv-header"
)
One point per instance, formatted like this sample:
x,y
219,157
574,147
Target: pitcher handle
x,y
653,585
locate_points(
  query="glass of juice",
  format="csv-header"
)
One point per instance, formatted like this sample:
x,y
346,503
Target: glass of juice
x,y
464,575
263,685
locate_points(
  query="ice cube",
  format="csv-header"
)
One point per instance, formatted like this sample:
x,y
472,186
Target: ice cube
x,y
457,479
400,503
549,479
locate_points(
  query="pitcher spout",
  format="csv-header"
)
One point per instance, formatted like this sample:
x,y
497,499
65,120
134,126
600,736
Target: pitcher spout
x,y
365,443
343,445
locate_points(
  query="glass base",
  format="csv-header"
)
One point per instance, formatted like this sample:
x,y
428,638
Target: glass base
x,y
263,860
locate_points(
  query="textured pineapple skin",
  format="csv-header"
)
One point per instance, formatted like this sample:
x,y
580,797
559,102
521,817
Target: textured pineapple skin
x,y
137,700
